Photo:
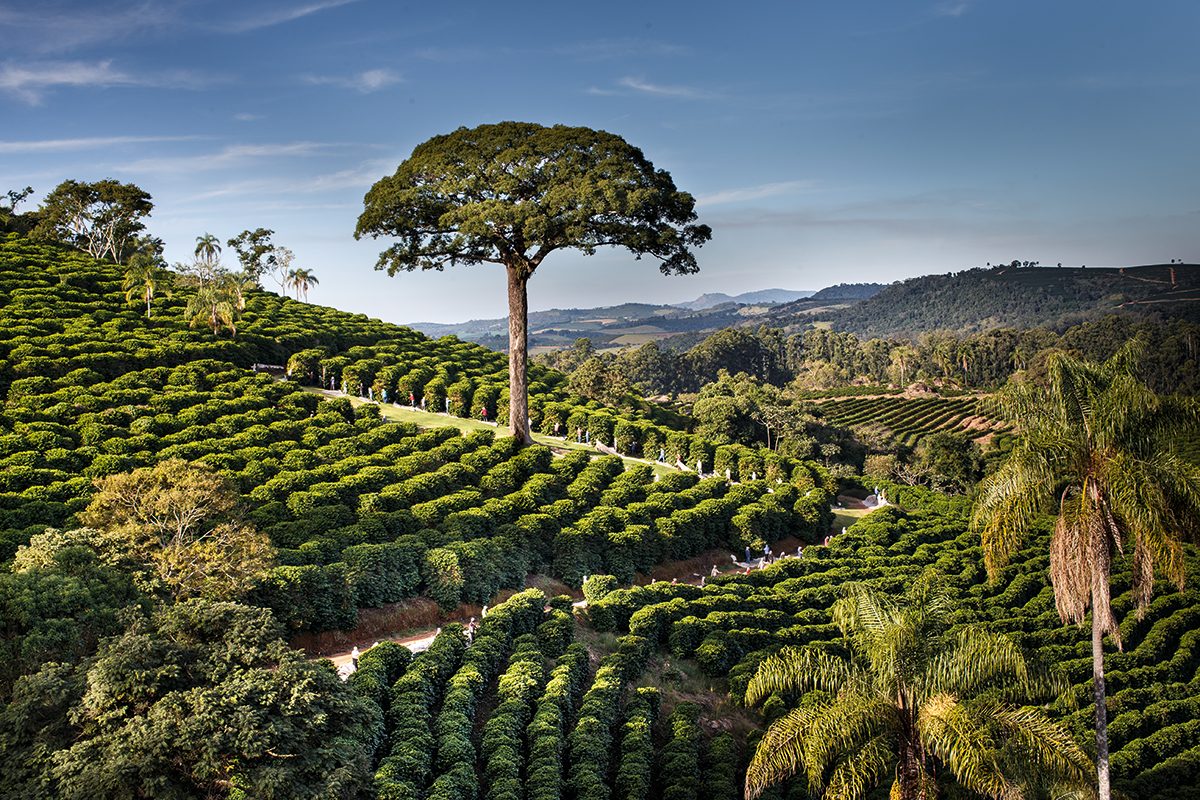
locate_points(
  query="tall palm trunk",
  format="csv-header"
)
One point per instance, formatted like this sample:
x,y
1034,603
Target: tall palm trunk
x,y
1102,782
518,356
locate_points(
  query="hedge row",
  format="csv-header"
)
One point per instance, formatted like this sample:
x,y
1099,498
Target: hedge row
x,y
547,732
590,742
405,771
680,772
501,745
635,759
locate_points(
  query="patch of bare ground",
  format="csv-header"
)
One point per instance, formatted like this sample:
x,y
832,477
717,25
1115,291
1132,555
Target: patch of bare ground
x,y
682,681
689,570
406,619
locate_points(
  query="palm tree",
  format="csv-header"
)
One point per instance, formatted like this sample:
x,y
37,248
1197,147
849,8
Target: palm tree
x,y
302,280
912,695
215,305
208,249
1098,448
143,277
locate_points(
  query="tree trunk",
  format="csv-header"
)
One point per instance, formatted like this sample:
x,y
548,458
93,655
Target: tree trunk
x,y
1102,785
518,355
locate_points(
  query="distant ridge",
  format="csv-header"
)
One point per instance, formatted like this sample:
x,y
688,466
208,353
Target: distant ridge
x,y
1024,297
759,297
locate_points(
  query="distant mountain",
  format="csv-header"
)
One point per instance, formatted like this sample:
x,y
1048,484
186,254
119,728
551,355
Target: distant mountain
x,y
848,291
618,326
760,297
1023,297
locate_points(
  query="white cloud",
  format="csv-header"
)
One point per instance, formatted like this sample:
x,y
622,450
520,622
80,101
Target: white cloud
x,y
371,80
953,9
233,155
663,90
48,26
247,117
282,15
91,143
746,193
30,82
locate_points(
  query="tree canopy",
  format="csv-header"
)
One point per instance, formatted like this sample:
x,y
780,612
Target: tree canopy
x,y
103,218
514,192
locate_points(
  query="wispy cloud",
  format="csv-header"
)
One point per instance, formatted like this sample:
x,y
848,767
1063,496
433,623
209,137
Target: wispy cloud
x,y
747,193
48,26
357,178
953,8
230,156
29,82
663,90
247,117
92,143
284,14
371,80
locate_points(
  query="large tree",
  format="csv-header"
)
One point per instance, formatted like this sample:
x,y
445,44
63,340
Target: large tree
x,y
914,694
103,218
1100,450
180,520
514,192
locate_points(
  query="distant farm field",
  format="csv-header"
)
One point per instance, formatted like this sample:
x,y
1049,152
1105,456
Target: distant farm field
x,y
909,419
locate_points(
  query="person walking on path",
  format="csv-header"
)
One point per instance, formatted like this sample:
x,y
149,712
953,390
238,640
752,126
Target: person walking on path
x,y
354,657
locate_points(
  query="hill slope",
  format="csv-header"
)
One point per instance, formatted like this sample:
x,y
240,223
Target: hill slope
x,y
1006,297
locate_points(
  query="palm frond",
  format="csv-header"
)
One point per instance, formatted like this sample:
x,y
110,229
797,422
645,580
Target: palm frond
x,y
780,753
1044,742
799,669
862,770
843,728
978,659
962,741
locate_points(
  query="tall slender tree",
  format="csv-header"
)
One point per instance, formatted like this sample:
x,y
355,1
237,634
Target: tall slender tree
x,y
144,277
913,694
302,279
208,251
1099,449
513,193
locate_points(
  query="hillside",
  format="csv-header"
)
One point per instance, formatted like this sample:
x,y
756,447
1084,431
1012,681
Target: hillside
x,y
92,387
1023,297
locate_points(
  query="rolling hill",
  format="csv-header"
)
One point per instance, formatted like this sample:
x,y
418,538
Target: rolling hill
x,y
1023,297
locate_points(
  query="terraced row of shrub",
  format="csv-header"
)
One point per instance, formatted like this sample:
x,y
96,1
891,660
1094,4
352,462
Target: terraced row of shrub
x,y
734,622
907,419
364,511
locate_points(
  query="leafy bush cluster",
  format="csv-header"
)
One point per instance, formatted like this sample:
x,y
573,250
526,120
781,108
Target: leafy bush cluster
x,y
729,626
590,742
362,512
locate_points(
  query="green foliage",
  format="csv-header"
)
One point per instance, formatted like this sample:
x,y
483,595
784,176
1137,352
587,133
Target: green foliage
x,y
154,715
635,761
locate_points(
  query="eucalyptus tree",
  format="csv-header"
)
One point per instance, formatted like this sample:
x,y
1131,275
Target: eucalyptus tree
x,y
1099,449
103,218
912,695
511,194
256,252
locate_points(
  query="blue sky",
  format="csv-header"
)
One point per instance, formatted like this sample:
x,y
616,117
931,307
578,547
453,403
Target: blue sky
x,y
826,142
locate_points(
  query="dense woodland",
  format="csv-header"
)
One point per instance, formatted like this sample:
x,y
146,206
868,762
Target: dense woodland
x,y
194,470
